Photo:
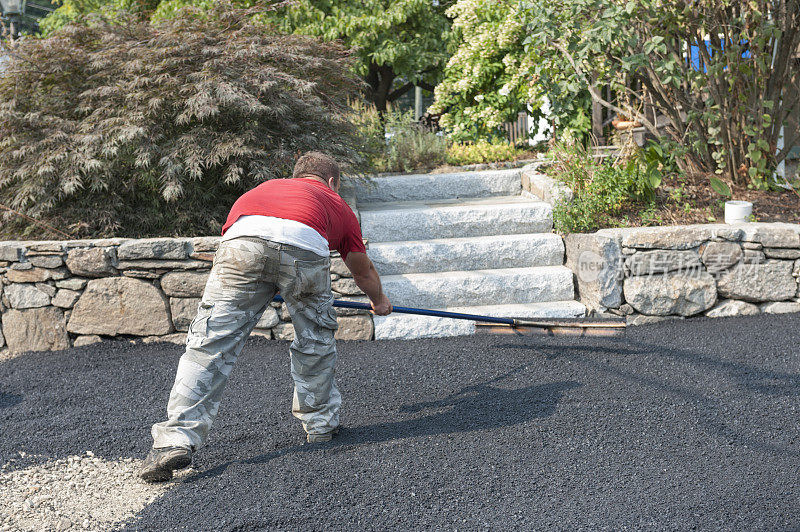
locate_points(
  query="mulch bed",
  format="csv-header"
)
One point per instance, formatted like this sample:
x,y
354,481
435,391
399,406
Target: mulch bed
x,y
691,200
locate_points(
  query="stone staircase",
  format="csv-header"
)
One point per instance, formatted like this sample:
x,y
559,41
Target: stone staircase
x,y
464,242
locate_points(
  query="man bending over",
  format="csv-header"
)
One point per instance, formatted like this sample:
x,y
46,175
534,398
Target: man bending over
x,y
276,239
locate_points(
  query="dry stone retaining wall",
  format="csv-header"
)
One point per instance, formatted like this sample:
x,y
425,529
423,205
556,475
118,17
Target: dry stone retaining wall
x,y
58,294
653,273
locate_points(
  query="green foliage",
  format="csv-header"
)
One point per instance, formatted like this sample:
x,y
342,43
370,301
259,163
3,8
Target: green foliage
x,y
72,11
487,81
727,111
397,43
459,154
134,129
602,191
394,142
414,148
720,187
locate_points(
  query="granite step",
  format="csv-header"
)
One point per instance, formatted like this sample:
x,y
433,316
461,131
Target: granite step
x,y
454,218
441,186
407,326
472,253
480,287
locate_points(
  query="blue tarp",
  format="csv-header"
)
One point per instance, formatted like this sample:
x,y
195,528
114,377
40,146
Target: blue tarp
x,y
694,54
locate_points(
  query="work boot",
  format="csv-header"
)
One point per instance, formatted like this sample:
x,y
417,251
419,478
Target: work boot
x,y
161,462
322,437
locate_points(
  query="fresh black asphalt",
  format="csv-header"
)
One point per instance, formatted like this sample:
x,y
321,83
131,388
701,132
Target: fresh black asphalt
x,y
681,425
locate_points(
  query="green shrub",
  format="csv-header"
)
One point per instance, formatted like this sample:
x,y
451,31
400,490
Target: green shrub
x,y
601,191
395,142
482,152
133,129
412,147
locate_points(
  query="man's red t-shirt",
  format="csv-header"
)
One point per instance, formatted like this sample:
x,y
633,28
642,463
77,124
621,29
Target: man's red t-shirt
x,y
307,201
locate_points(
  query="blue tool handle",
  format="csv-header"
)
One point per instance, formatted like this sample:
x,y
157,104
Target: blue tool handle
x,y
420,311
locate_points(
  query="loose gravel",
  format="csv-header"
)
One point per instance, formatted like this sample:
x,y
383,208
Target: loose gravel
x,y
680,425
74,493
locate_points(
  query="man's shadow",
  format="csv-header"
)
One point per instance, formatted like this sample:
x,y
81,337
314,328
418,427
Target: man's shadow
x,y
473,408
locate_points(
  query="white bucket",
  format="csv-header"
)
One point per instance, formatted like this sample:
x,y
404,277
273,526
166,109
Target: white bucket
x,y
737,212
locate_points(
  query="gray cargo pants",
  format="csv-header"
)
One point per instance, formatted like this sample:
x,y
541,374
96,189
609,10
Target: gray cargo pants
x,y
247,273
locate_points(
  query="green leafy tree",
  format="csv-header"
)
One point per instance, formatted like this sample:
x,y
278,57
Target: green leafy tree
x,y
70,11
134,129
725,107
488,79
398,43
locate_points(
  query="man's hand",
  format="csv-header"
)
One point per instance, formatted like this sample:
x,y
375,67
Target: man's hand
x,y
383,307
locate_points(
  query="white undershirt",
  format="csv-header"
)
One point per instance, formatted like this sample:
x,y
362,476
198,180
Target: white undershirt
x,y
279,230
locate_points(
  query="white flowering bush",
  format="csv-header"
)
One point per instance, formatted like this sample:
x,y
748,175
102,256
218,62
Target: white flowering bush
x,y
488,79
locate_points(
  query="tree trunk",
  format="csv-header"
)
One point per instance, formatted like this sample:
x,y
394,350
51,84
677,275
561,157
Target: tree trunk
x,y
379,79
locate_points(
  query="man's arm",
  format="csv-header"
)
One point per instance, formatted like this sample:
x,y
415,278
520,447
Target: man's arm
x,y
366,277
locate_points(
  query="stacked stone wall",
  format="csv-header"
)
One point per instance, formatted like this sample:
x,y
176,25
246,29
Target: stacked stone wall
x,y
650,274
58,294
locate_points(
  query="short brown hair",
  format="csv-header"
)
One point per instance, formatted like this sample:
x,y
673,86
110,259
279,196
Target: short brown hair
x,y
318,164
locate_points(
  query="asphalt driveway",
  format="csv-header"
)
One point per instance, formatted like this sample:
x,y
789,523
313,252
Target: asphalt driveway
x,y
680,425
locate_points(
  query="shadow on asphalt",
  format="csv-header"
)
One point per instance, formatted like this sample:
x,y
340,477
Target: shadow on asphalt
x,y
751,378
7,400
473,408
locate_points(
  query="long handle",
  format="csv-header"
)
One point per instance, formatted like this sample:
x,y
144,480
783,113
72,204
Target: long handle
x,y
513,322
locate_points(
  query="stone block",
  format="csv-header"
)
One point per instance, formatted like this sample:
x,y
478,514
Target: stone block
x,y
731,307
35,329
671,293
725,232
73,283
34,275
355,328
20,266
154,248
120,305
346,287
205,243
753,256
164,265
781,307
283,331
752,245
46,288
545,187
773,235
782,253
142,274
767,281
796,269
284,313
263,333
678,237
269,319
23,296
11,251
183,311
45,246
339,268
46,261
662,261
184,284
719,256
90,262
597,263
2,338
89,339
